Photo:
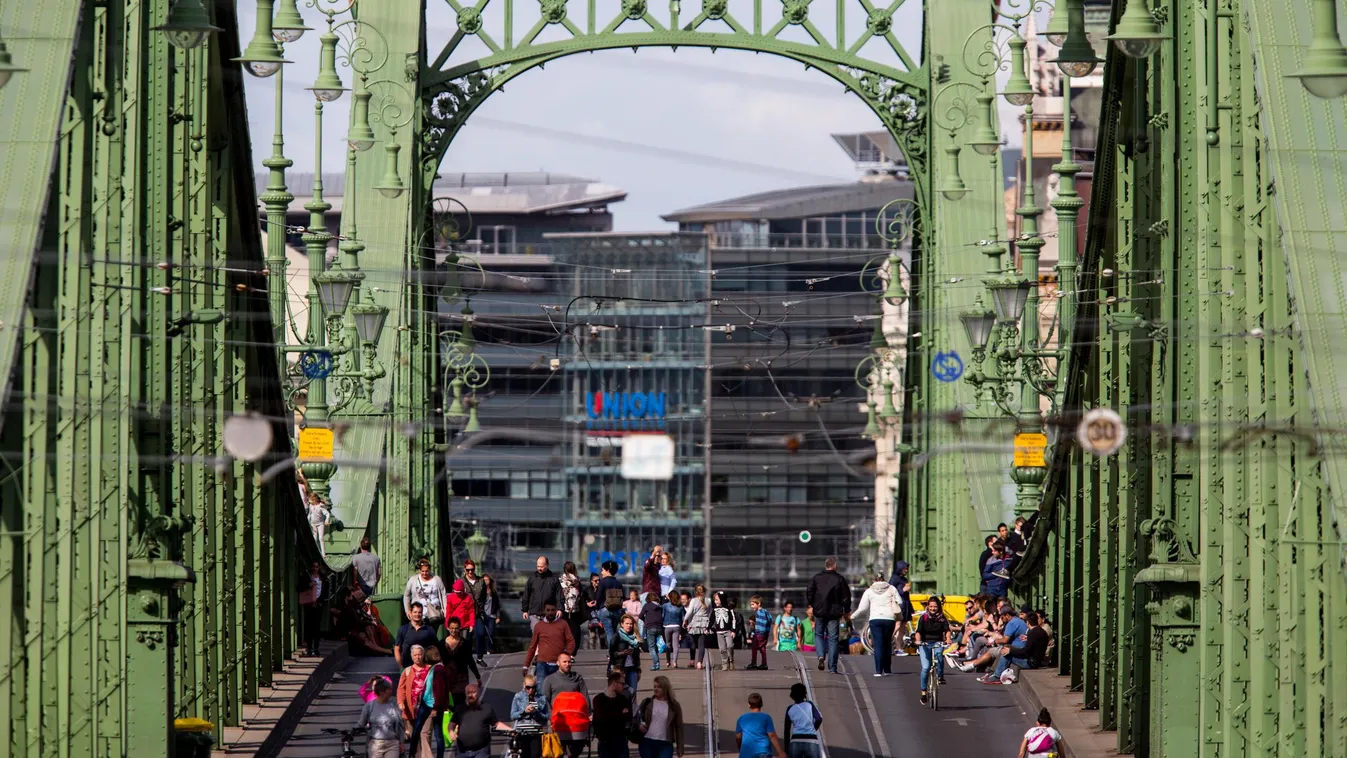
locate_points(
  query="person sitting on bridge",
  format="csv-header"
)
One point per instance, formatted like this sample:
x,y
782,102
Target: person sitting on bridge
x,y
996,574
1025,653
1010,631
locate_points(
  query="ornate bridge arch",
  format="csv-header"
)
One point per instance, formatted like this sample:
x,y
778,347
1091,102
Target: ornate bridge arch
x,y
424,103
454,83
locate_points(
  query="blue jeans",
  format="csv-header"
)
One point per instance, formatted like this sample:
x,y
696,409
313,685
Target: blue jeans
x,y
930,651
541,670
606,618
1005,662
424,721
655,749
484,632
804,749
881,637
633,680
827,631
652,640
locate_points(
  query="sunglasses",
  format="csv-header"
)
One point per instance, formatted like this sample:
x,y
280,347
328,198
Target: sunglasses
x,y
530,687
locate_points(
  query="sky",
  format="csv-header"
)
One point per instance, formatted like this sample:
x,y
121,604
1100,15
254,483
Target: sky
x,y
673,128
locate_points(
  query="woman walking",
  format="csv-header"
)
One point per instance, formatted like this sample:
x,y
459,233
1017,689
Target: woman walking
x,y
807,631
384,720
673,628
660,721
697,621
624,654
411,694
573,609
490,616
667,580
429,590
884,606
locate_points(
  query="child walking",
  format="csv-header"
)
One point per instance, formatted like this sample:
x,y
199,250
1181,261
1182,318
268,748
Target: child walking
x,y
652,624
723,624
761,620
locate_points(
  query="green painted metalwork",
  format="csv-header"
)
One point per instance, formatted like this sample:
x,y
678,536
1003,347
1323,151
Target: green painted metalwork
x,y
145,575
408,502
1192,576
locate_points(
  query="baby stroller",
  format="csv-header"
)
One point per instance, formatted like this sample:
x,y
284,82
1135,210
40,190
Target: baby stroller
x,y
523,729
571,720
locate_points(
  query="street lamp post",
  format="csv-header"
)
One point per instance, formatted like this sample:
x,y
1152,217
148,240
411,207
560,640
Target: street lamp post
x,y
340,344
476,546
869,550
1009,333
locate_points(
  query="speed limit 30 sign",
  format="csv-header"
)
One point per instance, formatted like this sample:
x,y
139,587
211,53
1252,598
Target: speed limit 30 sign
x,y
1101,432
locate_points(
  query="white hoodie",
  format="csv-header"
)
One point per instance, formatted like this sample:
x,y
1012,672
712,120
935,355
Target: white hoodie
x,y
882,601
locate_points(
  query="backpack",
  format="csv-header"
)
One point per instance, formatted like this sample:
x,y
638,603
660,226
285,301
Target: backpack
x,y
570,593
1040,740
612,599
570,715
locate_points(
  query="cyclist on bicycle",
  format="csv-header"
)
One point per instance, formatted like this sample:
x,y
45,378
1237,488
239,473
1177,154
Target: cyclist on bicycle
x,y
932,635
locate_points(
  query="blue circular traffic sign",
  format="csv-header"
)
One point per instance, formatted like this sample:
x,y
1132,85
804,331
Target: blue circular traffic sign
x,y
317,364
947,367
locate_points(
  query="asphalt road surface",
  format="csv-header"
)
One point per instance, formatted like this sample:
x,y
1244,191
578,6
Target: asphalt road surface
x,y
864,716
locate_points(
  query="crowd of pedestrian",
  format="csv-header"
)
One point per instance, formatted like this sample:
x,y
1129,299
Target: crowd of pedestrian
x,y
436,699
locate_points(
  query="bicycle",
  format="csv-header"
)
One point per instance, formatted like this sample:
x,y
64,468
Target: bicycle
x,y
933,677
347,738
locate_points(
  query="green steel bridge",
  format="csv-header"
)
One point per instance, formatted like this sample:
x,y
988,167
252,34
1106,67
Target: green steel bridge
x,y
152,534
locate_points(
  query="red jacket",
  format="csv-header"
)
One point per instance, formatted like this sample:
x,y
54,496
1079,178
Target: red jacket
x,y
461,607
650,577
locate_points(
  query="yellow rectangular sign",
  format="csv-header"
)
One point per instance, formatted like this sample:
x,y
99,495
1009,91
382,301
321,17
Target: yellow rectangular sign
x,y
315,444
1029,450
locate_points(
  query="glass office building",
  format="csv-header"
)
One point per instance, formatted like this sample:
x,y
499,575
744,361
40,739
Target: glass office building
x,y
637,364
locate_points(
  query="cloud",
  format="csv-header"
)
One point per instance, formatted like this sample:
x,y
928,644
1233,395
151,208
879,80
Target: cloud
x,y
750,110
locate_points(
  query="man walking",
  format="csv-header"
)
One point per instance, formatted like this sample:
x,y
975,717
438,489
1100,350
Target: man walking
x,y
551,638
609,595
650,572
542,589
366,569
612,718
415,632
903,585
472,724
830,597
567,700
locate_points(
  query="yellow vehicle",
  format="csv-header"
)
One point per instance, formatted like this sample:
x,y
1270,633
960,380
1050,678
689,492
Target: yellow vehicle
x,y
902,637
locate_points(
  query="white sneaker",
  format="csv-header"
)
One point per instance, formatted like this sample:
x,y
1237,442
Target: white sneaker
x,y
878,675
964,667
